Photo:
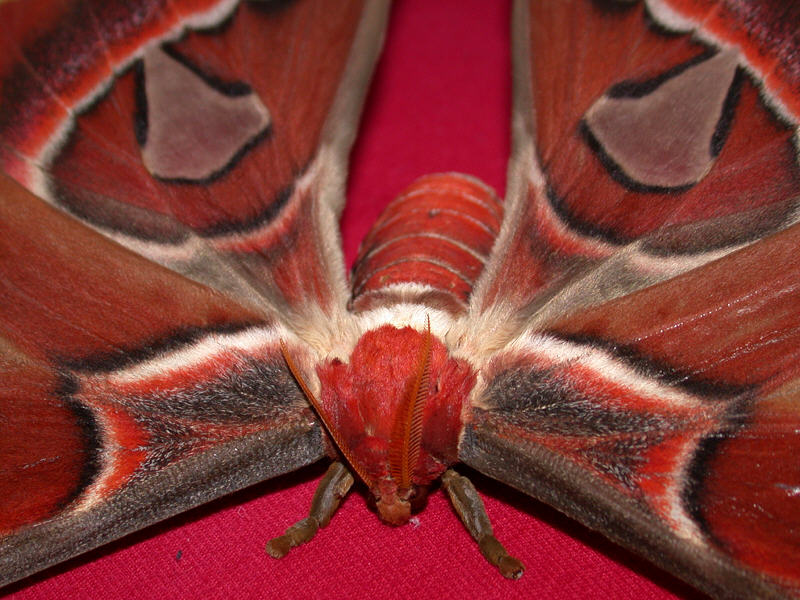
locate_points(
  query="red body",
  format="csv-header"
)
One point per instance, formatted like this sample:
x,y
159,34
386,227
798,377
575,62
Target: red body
x,y
437,234
364,398
431,242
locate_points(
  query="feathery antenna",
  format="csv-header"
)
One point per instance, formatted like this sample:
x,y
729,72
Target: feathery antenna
x,y
406,439
337,439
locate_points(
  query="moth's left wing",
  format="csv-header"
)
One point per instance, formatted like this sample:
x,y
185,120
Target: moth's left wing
x,y
667,419
637,325
649,138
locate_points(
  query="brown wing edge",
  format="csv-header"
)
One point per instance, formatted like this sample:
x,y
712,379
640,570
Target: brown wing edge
x,y
340,129
552,479
337,138
175,489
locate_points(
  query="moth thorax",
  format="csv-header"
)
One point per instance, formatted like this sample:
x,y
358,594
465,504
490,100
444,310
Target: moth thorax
x,y
429,246
394,411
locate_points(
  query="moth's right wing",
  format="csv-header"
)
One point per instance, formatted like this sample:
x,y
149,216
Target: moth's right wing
x,y
127,392
211,137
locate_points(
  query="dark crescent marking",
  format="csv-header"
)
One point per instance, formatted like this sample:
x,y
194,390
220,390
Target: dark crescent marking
x,y
704,454
90,429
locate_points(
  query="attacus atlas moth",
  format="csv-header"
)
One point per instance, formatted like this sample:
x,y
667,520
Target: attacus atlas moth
x,y
617,337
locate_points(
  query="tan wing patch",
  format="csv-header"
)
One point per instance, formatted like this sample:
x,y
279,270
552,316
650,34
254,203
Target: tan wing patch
x,y
194,131
664,138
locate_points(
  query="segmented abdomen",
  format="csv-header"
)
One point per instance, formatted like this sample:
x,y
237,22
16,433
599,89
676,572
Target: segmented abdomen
x,y
429,245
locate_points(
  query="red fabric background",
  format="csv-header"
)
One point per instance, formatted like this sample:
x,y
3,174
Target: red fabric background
x,y
440,101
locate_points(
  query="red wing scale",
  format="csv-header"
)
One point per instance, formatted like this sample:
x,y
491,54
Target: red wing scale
x,y
645,378
207,137
129,398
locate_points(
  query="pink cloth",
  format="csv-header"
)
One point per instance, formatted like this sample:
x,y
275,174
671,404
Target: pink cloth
x,y
440,102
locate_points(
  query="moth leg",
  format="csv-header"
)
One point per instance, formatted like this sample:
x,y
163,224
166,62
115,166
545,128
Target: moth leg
x,y
330,491
469,506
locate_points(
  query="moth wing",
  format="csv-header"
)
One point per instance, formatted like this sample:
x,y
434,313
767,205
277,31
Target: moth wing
x,y
208,137
211,137
667,420
663,137
129,393
637,327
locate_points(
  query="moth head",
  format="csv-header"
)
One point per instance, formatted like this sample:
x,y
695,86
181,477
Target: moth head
x,y
373,408
395,505
393,493
393,508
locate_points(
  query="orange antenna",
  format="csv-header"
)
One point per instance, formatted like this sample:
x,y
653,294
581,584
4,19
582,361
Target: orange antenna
x,y
337,439
406,439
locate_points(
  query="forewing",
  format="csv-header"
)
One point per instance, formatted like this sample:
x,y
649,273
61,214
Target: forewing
x,y
209,136
649,138
641,370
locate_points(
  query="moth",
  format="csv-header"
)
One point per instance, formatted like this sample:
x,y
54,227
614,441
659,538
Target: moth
x,y
617,337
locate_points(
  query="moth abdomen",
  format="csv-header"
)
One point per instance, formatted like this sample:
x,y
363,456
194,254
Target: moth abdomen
x,y
429,245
